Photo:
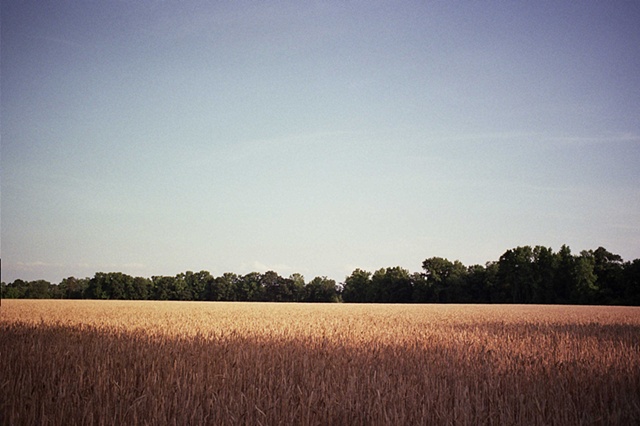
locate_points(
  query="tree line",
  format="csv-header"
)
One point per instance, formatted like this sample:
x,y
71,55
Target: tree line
x,y
200,286
522,275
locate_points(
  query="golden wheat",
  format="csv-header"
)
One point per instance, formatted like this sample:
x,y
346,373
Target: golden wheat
x,y
107,362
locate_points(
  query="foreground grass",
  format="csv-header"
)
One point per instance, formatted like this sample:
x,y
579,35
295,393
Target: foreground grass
x,y
92,362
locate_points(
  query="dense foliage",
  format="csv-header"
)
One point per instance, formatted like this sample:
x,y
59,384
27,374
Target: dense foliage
x,y
521,275
185,286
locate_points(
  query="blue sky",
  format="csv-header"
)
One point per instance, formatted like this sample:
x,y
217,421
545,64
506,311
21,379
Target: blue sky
x,y
156,137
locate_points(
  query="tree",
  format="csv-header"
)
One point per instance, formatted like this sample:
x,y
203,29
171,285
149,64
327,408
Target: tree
x,y
39,289
273,288
277,288
222,288
521,275
478,284
74,288
298,286
139,288
16,290
249,288
565,277
545,268
180,290
95,288
422,289
161,287
456,290
584,288
320,289
516,274
111,285
609,272
632,283
392,285
357,287
446,279
196,285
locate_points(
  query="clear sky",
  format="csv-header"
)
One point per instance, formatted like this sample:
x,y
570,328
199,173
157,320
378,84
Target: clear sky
x,y
156,137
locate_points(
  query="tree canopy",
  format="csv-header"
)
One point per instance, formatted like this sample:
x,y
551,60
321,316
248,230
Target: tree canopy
x,y
521,275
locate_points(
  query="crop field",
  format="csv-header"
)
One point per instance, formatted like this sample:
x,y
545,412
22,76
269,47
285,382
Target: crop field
x,y
187,363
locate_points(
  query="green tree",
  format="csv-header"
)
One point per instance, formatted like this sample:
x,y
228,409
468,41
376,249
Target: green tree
x,y
456,290
121,285
392,285
180,290
422,290
249,288
56,292
161,287
609,272
95,288
446,279
357,287
139,288
516,273
584,285
478,284
39,289
277,288
223,288
110,285
545,268
16,290
320,289
195,285
74,288
632,283
565,278
298,286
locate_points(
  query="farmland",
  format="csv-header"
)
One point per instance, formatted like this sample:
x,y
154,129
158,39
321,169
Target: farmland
x,y
125,362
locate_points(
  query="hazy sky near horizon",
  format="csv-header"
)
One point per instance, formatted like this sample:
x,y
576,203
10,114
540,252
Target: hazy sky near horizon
x,y
156,137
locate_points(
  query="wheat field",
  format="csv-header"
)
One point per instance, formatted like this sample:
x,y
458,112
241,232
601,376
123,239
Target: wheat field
x,y
191,363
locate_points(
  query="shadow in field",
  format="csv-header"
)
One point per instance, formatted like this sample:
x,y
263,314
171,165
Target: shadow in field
x,y
56,374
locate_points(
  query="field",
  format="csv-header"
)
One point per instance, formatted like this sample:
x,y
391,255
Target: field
x,y
108,362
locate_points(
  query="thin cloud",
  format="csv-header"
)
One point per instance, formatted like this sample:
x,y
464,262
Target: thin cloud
x,y
485,136
582,140
29,266
38,266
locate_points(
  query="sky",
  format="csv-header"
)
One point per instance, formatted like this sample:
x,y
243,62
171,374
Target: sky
x,y
158,137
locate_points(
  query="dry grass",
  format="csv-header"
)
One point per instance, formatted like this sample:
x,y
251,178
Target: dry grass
x,y
99,362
